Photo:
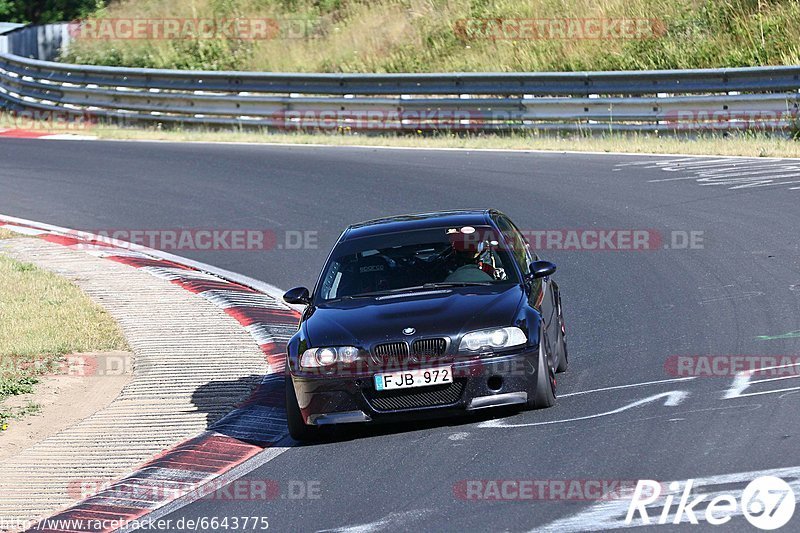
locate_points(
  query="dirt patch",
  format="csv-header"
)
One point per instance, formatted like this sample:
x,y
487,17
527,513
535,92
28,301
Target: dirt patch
x,y
63,400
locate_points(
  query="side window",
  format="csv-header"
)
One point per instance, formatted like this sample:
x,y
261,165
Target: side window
x,y
531,254
516,242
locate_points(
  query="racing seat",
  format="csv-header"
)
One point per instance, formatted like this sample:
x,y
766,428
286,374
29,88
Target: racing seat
x,y
368,274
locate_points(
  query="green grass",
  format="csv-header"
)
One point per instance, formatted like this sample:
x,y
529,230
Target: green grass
x,y
423,36
44,317
17,413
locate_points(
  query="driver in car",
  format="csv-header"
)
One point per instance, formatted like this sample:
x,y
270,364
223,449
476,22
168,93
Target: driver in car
x,y
465,255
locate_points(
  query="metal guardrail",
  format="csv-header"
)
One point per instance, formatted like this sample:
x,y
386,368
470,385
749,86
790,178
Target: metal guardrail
x,y
40,42
689,100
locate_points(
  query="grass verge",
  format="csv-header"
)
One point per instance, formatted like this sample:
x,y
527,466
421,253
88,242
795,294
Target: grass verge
x,y
44,317
753,145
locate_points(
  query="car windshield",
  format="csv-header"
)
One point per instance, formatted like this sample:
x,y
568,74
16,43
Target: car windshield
x,y
417,260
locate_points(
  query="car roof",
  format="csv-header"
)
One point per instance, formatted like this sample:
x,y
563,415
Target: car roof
x,y
399,223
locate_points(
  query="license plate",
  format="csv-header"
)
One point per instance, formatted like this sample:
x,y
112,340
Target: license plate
x,y
414,378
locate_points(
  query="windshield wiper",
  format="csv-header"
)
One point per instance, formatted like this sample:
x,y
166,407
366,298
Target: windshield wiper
x,y
380,293
438,285
443,284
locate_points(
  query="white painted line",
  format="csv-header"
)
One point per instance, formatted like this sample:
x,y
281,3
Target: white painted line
x,y
660,180
739,296
776,367
399,520
742,168
641,163
695,164
740,383
682,178
776,379
743,380
749,173
737,170
747,176
68,137
761,183
23,231
630,386
777,391
673,398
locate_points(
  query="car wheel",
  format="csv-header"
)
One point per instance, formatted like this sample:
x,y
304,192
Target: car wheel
x,y
298,429
563,357
545,394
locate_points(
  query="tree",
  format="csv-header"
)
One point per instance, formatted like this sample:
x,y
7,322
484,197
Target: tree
x,y
46,11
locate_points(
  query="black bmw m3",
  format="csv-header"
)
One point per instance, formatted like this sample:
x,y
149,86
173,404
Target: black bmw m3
x,y
425,315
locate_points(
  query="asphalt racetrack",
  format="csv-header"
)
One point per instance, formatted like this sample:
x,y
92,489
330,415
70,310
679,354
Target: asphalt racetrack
x,y
723,280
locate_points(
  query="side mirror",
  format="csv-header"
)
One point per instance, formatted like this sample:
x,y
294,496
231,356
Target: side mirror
x,y
542,269
298,295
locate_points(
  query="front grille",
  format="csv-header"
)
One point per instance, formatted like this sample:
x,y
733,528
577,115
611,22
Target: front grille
x,y
391,352
429,348
435,396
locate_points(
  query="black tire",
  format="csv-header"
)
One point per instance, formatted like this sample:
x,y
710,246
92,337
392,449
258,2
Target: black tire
x,y
563,356
298,429
545,394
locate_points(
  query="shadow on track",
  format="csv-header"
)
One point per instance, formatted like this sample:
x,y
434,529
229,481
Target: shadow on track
x,y
261,417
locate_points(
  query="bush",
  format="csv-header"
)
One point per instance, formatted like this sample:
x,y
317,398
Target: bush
x,y
423,36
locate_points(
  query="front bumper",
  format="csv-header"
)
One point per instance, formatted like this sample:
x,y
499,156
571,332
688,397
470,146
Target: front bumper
x,y
490,381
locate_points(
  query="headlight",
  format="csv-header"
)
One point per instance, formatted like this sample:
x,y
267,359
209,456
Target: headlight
x,y
492,339
326,356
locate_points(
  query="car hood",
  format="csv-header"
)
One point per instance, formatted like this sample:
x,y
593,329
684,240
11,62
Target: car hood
x,y
451,312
